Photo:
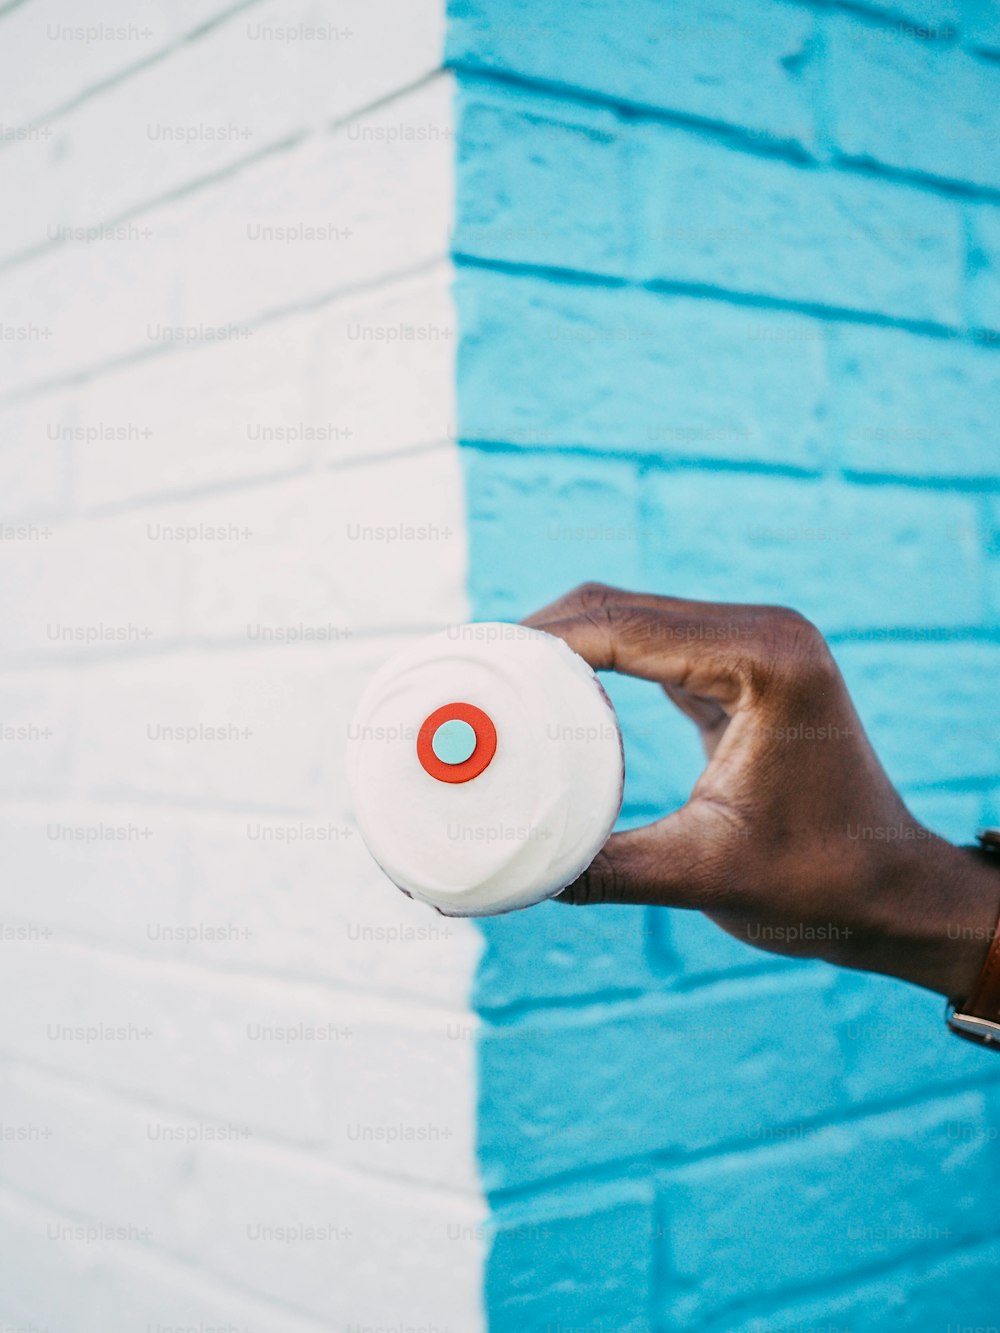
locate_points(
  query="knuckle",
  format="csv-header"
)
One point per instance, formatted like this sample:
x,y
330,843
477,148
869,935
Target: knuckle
x,y
598,606
808,649
592,595
601,882
581,893
786,622
792,652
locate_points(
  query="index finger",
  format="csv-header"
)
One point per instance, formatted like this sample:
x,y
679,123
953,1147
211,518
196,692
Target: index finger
x,y
700,647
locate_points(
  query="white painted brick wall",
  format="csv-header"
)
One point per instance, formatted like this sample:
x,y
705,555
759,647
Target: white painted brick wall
x,y
174,510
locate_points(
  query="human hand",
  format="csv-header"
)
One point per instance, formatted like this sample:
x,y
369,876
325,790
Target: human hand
x,y
793,838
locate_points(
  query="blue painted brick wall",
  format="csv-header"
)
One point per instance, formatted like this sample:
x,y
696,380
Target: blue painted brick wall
x,y
729,301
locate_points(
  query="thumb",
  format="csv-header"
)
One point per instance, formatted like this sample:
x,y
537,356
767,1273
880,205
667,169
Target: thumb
x,y
665,864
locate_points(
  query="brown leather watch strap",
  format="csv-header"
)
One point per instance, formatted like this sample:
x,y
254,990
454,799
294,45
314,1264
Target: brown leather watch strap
x,y
977,1018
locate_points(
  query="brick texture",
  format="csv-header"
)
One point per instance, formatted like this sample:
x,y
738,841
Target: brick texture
x,y
707,296
237,1068
727,300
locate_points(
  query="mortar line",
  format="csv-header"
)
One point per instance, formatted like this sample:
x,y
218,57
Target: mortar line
x,y
819,312
292,140
154,58
844,1282
190,1263
657,1162
383,283
784,149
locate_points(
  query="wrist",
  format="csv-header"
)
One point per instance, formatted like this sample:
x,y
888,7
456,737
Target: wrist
x,y
942,902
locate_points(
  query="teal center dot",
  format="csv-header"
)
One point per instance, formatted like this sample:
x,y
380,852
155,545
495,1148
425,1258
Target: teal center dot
x,y
454,741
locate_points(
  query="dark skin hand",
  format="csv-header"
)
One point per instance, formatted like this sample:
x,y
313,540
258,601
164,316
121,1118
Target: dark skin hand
x,y
793,837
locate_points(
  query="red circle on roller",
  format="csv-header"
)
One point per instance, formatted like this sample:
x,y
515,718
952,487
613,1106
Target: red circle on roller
x,y
480,758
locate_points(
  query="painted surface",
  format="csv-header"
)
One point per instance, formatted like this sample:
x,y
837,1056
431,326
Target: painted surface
x,y
728,280
727,291
229,489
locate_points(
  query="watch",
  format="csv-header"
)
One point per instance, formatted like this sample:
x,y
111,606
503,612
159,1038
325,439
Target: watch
x,y
977,1018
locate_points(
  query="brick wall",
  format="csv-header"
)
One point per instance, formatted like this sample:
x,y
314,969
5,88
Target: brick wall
x,y
236,1067
729,328
711,293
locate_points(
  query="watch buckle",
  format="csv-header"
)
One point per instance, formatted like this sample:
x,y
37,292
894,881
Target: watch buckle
x,y
969,1025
